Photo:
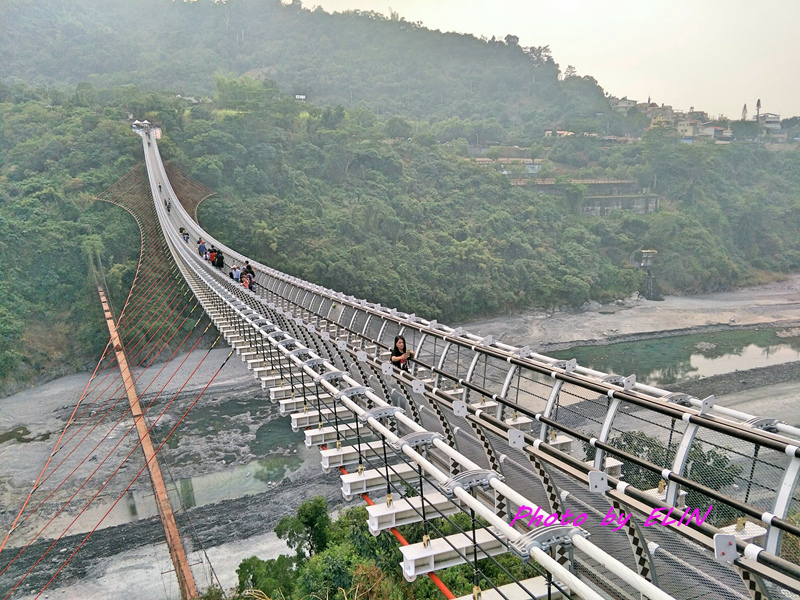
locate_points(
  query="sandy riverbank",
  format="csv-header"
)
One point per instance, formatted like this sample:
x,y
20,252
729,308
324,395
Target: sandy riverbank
x,y
770,303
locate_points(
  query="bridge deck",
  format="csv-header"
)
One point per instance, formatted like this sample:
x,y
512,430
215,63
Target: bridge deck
x,y
494,406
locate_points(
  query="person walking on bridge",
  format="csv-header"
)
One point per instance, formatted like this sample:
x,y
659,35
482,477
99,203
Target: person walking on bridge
x,y
248,268
201,247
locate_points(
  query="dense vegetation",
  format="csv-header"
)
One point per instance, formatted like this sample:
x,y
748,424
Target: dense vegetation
x,y
356,59
335,198
341,560
383,206
54,159
346,200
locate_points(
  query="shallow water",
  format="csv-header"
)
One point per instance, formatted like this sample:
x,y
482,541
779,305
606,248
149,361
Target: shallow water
x,y
669,360
233,482
250,448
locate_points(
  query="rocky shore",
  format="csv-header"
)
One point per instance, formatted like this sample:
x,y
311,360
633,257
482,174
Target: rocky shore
x,y
203,527
739,381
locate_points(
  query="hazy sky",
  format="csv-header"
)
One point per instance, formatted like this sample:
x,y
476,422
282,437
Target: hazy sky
x,y
714,55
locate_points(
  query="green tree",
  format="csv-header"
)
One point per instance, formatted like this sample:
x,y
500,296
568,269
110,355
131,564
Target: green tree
x,y
398,128
307,531
494,153
273,576
11,329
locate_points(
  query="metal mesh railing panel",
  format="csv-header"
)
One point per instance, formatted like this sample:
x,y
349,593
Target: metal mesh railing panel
x,y
581,409
688,571
790,544
374,328
457,361
391,330
360,321
723,463
490,373
530,390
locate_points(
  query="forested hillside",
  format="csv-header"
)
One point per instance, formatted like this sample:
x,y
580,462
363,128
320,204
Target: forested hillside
x,y
337,197
373,194
389,66
53,161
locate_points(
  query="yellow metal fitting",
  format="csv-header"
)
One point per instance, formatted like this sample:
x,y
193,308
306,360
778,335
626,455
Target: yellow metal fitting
x,y
338,444
426,540
476,593
360,469
388,499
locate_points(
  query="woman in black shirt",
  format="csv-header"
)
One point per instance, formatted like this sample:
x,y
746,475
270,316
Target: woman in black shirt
x,y
400,354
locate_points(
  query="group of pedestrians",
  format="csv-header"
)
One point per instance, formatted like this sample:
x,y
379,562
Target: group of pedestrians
x,y
245,275
210,254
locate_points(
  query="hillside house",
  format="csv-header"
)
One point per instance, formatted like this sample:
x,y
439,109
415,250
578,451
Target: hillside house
x,y
771,125
661,116
698,115
687,128
559,134
622,105
709,131
661,121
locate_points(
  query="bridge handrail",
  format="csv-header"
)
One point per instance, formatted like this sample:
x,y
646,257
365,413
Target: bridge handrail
x,y
186,263
531,360
588,379
633,579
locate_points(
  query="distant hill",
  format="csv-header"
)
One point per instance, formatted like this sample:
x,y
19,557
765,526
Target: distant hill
x,y
388,65
391,206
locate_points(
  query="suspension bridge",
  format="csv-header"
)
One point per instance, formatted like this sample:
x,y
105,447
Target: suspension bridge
x,y
671,496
